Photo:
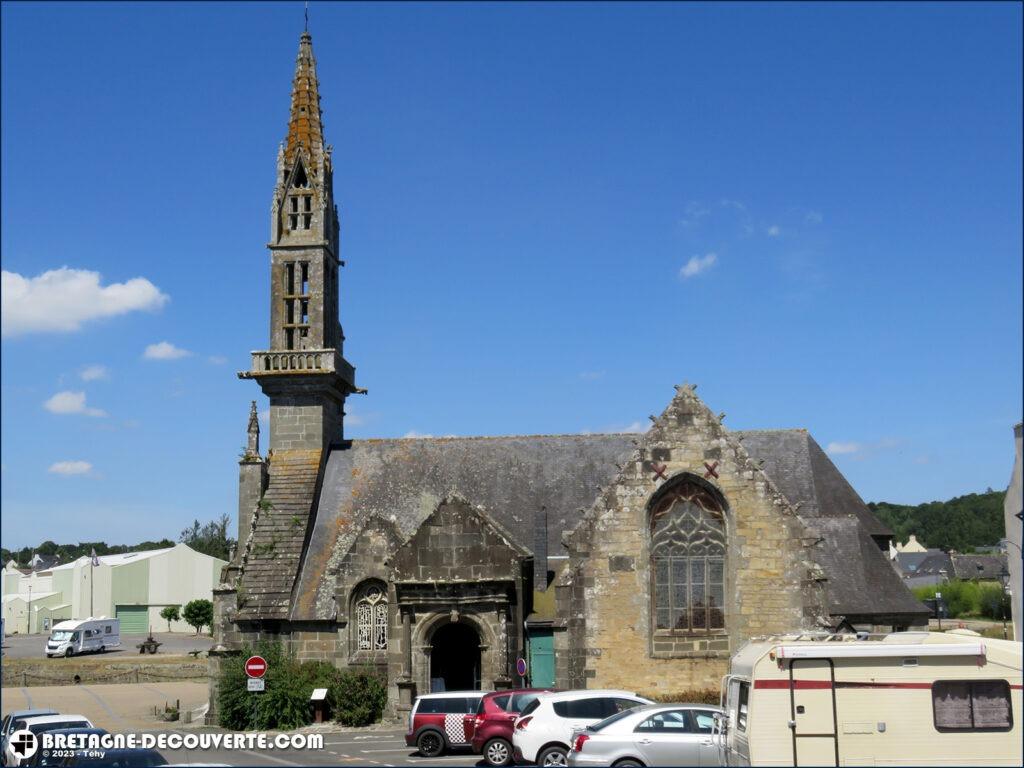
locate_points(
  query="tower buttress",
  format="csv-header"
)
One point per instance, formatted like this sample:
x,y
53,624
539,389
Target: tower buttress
x,y
304,372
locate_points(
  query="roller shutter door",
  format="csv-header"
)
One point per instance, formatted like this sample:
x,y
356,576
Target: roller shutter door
x,y
134,619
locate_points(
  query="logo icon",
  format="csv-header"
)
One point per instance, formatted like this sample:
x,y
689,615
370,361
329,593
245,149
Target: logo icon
x,y
24,744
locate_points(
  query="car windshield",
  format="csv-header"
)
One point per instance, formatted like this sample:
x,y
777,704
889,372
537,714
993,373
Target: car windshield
x,y
58,726
609,720
61,635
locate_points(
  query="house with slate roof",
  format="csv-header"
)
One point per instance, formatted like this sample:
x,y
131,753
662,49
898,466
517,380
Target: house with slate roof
x,y
639,560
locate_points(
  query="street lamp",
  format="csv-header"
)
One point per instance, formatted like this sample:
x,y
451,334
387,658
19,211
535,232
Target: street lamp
x,y
1004,579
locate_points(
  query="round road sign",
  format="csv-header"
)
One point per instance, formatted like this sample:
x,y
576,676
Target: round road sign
x,y
521,666
255,666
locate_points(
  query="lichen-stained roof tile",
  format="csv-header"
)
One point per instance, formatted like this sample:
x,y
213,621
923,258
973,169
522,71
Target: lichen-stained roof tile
x,y
403,480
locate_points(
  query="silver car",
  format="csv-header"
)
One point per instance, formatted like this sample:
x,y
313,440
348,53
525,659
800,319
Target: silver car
x,y
659,734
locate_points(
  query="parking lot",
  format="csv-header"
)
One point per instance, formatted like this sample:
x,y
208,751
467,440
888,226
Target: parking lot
x,y
173,643
376,748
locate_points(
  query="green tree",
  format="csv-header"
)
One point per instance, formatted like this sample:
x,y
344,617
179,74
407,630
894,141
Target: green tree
x,y
198,614
210,539
961,523
169,614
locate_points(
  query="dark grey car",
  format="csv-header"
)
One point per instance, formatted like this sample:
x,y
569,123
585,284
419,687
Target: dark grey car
x,y
655,735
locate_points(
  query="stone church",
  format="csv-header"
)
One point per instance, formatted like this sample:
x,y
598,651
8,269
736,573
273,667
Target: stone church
x,y
613,560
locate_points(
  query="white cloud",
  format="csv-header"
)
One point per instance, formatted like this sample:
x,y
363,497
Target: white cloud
x,y
70,468
61,300
264,417
354,420
217,359
164,350
774,231
635,427
592,375
94,373
696,265
413,434
838,449
68,402
694,213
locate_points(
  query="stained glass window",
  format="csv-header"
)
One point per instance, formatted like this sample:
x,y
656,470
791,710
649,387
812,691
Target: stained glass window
x,y
688,560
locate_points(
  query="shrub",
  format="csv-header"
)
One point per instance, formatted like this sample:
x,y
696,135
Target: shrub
x,y
995,603
962,598
359,697
283,705
691,696
356,697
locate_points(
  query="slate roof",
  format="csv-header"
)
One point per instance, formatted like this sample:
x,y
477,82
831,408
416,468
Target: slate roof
x,y
403,480
934,564
909,562
988,567
806,476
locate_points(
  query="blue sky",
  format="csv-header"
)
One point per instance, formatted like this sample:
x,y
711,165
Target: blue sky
x,y
550,213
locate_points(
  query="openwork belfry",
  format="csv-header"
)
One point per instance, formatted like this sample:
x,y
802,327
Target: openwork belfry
x,y
372,618
688,559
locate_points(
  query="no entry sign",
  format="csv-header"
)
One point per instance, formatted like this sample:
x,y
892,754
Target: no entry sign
x,y
255,666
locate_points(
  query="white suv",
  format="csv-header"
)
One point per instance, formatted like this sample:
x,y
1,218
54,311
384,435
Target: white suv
x,y
543,731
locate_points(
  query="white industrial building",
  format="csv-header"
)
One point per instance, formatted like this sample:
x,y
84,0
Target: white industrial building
x,y
134,587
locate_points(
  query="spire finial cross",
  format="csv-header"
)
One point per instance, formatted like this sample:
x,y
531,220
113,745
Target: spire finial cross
x,y
306,14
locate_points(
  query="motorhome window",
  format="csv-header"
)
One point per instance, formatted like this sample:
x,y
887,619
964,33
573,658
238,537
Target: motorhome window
x,y
741,710
108,629
964,705
61,635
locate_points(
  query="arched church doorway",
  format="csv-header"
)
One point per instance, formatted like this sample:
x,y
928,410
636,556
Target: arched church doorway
x,y
455,658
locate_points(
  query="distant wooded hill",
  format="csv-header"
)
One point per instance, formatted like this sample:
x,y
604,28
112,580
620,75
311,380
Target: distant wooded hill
x,y
210,539
974,520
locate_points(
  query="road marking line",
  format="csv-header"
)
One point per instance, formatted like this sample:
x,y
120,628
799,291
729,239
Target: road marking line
x,y
269,757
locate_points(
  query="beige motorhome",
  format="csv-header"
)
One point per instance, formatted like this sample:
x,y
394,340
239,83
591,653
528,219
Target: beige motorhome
x,y
909,698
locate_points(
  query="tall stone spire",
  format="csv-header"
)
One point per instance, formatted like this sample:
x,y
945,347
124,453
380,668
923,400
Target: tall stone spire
x,y
305,125
303,369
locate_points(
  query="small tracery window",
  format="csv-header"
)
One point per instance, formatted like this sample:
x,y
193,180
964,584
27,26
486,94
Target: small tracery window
x,y
688,560
371,618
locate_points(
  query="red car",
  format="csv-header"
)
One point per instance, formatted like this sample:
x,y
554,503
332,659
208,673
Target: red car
x,y
492,726
442,721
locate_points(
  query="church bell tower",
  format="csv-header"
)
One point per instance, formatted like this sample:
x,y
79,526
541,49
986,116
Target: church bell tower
x,y
304,372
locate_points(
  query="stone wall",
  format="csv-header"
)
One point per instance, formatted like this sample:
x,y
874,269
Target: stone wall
x,y
606,595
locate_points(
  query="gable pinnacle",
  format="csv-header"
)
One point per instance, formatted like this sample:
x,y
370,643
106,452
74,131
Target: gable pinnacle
x,y
252,448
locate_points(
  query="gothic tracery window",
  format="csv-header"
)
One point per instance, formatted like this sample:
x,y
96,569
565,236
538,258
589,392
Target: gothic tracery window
x,y
688,560
371,609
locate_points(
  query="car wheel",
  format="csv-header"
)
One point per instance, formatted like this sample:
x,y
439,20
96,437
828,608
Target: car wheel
x,y
430,744
103,649
628,763
498,752
68,653
552,756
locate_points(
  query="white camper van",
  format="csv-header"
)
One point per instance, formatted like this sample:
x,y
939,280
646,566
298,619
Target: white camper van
x,y
909,698
70,638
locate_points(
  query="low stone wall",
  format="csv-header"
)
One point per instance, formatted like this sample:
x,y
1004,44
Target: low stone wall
x,y
98,671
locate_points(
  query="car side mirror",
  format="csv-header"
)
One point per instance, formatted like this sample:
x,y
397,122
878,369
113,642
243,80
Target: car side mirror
x,y
721,722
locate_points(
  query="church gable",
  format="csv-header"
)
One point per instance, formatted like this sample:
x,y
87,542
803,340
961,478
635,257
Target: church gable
x,y
458,543
655,618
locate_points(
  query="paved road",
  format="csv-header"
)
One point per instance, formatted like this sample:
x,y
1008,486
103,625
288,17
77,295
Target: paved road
x,y
371,748
116,707
174,643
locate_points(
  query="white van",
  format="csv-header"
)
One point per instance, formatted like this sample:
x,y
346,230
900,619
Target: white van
x,y
69,638
908,698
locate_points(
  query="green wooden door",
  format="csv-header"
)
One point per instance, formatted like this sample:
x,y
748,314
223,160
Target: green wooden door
x,y
134,619
542,658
